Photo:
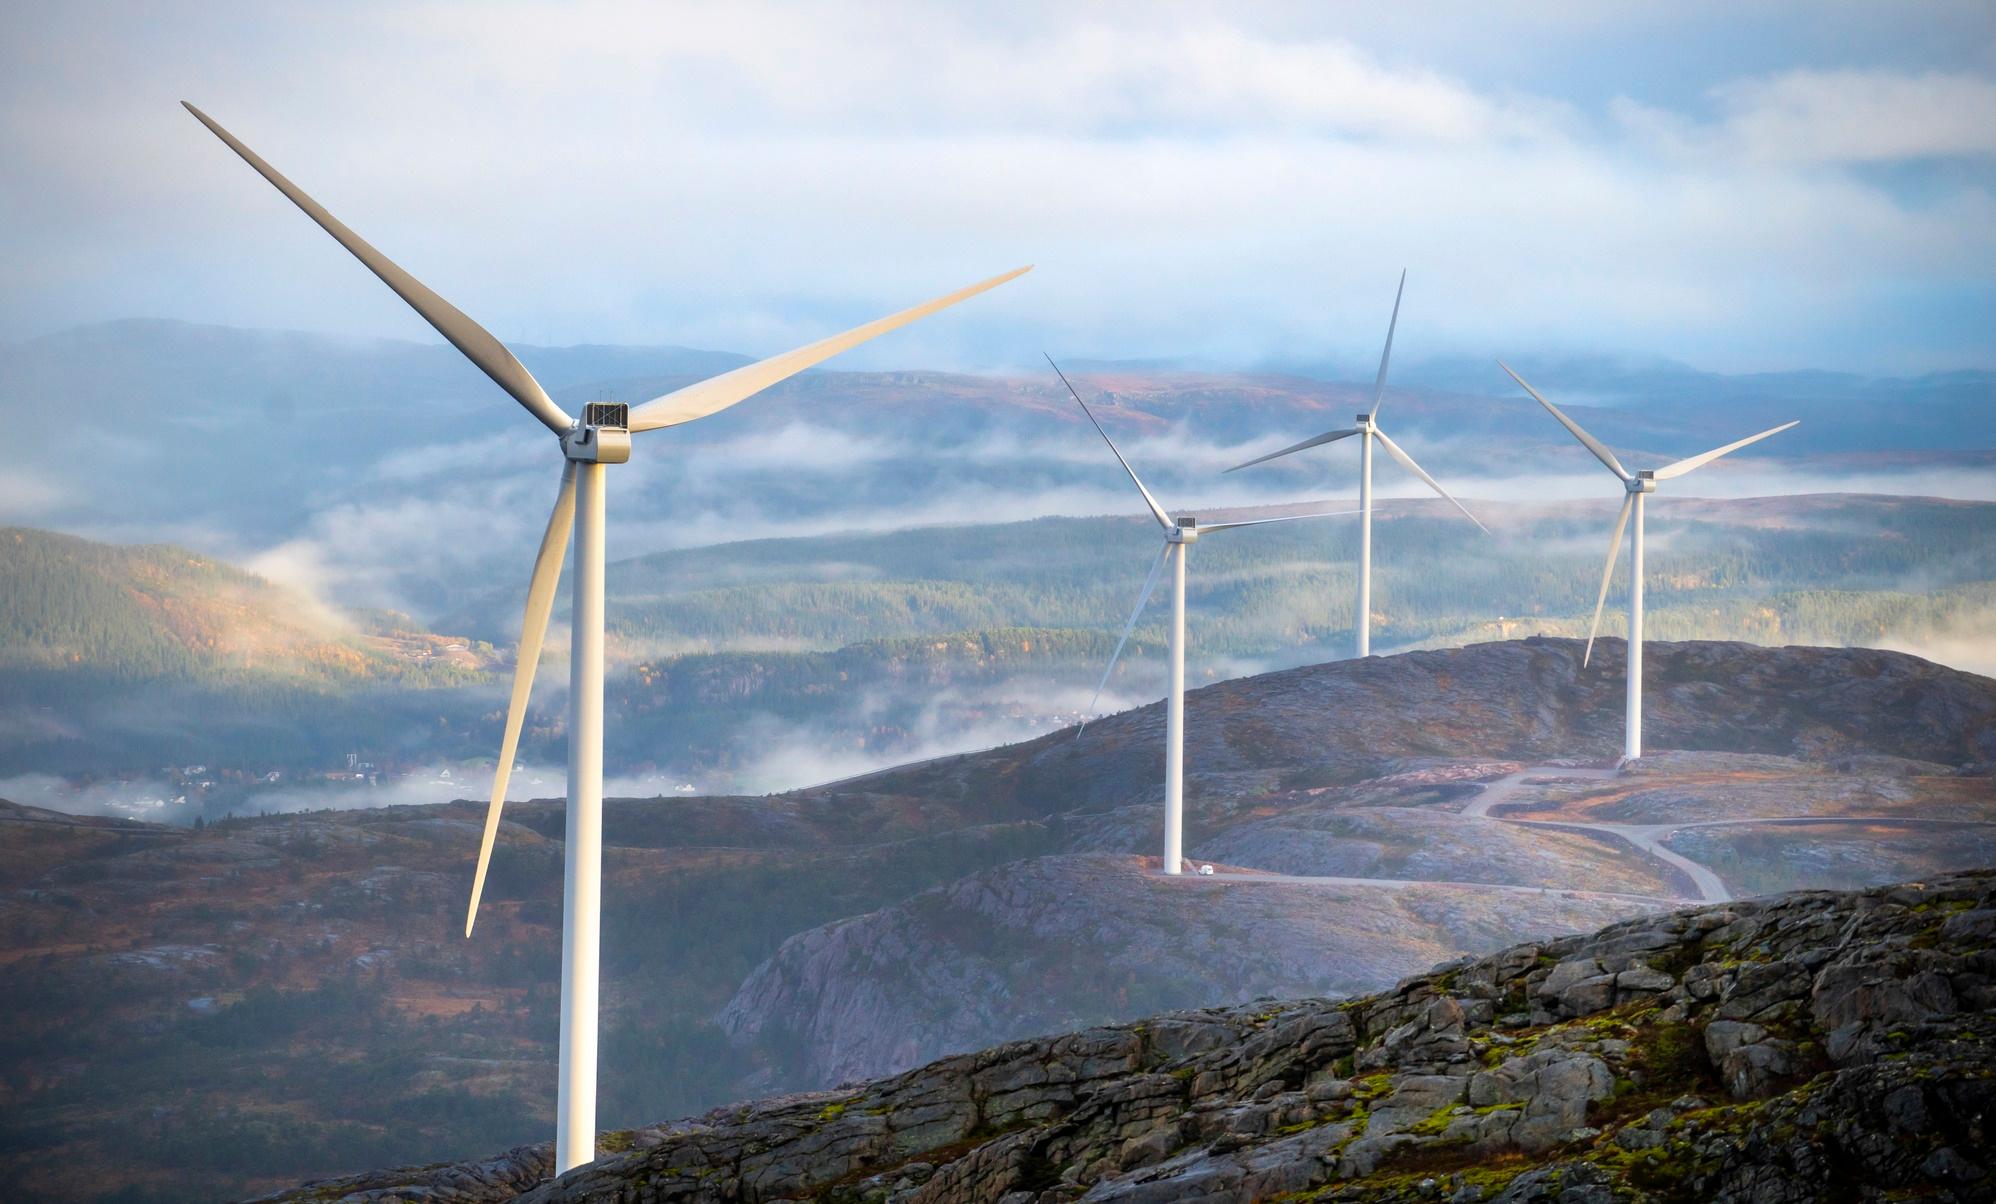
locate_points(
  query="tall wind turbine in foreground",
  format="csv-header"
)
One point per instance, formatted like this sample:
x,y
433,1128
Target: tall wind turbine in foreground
x,y
602,436
1367,429
1635,485
1179,536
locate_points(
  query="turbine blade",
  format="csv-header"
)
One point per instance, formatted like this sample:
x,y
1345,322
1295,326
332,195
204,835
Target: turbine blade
x,y
1207,528
1407,462
1607,572
1326,437
1379,384
1588,441
719,392
1683,466
1150,583
467,336
1157,511
533,629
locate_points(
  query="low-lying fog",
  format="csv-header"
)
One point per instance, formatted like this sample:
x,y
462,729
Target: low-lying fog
x,y
442,525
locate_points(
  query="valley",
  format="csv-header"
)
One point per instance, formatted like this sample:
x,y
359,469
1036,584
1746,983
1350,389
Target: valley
x,y
302,982
767,665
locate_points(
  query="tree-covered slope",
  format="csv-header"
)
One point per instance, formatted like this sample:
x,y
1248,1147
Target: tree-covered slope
x,y
120,657
133,613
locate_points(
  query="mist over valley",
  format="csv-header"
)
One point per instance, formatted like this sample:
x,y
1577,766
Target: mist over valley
x,y
949,590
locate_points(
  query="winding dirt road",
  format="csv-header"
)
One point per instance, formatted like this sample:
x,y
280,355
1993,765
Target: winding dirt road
x,y
1650,837
1646,838
1257,876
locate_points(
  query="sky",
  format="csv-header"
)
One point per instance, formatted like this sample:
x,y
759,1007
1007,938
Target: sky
x,y
1743,187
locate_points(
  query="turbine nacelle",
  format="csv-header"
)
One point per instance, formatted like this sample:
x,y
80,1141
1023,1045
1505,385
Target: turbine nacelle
x,y
1643,482
601,436
1364,423
1185,530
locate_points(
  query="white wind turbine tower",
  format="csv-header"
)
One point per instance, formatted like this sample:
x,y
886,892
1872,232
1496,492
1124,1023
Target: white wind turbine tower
x,y
1635,486
1179,536
1367,428
602,436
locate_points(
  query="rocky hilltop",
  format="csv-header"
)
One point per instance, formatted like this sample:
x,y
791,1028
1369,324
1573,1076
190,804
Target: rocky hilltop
x,y
1374,851
1525,700
1809,1046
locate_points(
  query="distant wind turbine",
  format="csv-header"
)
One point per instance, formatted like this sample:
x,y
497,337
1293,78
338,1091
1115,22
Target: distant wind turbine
x,y
602,436
1368,429
1180,534
1635,486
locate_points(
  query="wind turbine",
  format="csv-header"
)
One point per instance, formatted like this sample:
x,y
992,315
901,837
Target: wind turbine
x,y
1180,534
1367,428
1635,486
602,436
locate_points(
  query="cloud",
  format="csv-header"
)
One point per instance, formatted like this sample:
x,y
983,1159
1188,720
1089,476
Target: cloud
x,y
26,494
141,798
1825,118
799,445
426,534
1967,651
153,800
819,68
399,553
783,755
1815,116
1192,185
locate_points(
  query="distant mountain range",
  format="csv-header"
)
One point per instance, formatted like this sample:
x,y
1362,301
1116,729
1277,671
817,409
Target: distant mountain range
x,y
246,430
402,475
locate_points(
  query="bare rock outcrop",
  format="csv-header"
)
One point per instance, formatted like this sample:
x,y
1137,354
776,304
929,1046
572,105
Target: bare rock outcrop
x,y
1803,1047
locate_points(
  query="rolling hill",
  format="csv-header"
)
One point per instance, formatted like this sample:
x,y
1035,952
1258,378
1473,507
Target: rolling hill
x,y
133,613
302,984
765,664
130,657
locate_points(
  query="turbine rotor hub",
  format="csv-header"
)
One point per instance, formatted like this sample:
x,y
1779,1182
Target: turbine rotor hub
x,y
601,436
